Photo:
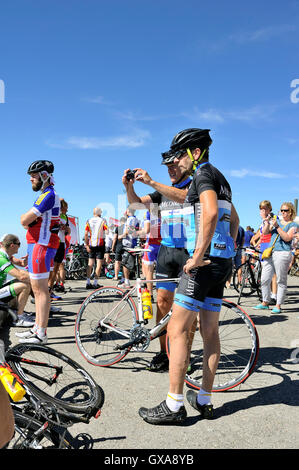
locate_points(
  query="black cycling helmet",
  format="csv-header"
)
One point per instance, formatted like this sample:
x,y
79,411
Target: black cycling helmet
x,y
191,138
167,157
41,165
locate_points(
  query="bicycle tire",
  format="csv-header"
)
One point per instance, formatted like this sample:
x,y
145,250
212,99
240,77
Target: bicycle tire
x,y
239,350
98,345
25,435
56,378
246,288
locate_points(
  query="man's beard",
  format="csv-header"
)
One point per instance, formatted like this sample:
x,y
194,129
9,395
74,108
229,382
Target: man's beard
x,y
183,176
37,186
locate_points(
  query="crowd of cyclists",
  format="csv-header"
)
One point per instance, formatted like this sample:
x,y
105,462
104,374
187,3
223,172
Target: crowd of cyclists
x,y
190,231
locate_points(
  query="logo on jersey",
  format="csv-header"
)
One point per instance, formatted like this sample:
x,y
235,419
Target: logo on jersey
x,y
41,198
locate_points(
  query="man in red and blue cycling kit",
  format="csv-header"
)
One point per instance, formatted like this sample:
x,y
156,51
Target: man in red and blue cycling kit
x,y
42,223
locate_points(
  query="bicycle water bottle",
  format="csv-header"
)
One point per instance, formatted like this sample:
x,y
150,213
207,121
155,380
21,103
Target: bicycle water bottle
x,y
11,385
147,305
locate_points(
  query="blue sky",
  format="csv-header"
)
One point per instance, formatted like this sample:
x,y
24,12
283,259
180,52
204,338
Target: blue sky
x,y
100,86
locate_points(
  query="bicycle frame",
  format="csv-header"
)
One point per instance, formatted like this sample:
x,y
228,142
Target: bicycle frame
x,y
153,332
46,414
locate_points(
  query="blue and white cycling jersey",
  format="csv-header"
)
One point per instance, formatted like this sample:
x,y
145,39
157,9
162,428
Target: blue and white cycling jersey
x,y
173,232
207,177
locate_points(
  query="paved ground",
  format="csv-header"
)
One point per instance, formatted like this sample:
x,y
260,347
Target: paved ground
x,y
261,414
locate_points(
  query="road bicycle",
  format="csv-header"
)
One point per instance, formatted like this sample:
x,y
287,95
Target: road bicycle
x,y
250,274
76,263
109,325
58,393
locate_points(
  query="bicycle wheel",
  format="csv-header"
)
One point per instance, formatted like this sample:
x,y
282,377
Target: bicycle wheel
x,y
55,378
246,287
239,350
100,345
32,434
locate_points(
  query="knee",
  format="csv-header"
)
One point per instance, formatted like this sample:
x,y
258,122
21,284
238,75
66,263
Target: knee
x,y
209,333
164,303
175,331
25,288
28,288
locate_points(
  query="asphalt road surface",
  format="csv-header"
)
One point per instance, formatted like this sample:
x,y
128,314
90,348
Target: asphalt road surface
x,y
261,414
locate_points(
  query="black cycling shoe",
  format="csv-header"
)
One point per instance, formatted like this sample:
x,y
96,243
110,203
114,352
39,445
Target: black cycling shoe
x,y
206,411
160,363
161,414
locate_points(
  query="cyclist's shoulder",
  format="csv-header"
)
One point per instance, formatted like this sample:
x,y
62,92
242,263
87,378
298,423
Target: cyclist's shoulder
x,y
3,256
47,199
5,262
207,176
208,170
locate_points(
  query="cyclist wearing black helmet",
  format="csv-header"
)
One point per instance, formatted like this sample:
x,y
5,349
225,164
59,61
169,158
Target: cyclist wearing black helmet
x,y
212,227
42,224
172,254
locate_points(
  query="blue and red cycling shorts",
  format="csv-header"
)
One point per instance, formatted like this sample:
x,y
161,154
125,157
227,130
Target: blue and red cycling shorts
x,y
149,257
40,260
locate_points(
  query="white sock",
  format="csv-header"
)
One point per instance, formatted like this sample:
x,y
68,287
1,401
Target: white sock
x,y
88,280
41,331
273,296
174,401
203,397
127,282
95,282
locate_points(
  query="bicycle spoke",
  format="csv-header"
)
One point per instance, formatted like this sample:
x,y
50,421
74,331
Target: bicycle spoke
x,y
103,325
239,350
55,377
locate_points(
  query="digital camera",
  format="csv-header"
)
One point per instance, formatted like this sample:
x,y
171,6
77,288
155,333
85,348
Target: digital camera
x,y
130,174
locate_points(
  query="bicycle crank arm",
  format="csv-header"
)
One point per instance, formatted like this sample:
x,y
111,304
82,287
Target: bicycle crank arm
x,y
125,346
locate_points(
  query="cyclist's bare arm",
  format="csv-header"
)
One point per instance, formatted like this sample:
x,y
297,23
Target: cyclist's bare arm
x,y
133,198
20,274
255,239
20,261
28,218
174,194
142,233
234,223
86,241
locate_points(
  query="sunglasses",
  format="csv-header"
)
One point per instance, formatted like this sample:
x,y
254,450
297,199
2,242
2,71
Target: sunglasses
x,y
180,153
284,210
18,244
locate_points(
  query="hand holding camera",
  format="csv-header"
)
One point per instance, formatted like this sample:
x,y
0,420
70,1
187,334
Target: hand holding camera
x,y
130,174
